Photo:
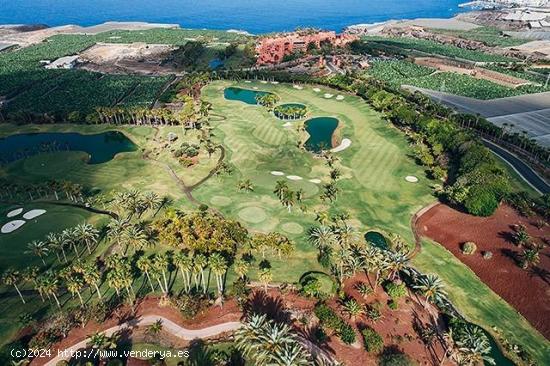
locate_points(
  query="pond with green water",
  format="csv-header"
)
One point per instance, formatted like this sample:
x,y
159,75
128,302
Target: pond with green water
x,y
320,130
243,95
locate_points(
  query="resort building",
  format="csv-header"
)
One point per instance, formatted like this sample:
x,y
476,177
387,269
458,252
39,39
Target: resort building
x,y
272,50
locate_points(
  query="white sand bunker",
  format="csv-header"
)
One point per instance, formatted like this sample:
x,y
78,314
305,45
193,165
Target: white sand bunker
x,y
288,124
12,226
328,96
263,81
339,97
33,213
247,81
274,82
316,90
343,146
315,181
299,87
277,173
294,177
411,179
15,212
255,88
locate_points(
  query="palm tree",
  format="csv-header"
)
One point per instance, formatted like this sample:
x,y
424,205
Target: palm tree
x,y
199,264
431,287
135,237
218,264
74,286
92,275
49,286
38,248
529,257
241,268
86,233
322,217
161,264
151,200
321,236
10,278
56,243
69,240
352,308
101,342
265,277
288,199
346,235
115,229
155,328
280,188
473,346
145,265
246,185
396,262
521,237
185,265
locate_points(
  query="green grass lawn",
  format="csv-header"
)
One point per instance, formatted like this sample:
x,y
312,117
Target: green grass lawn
x,y
478,302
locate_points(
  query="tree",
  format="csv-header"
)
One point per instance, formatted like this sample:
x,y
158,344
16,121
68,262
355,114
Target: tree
x,y
38,248
145,265
245,185
281,187
184,263
199,264
241,268
431,287
135,237
56,243
74,286
321,236
161,264
101,342
86,233
155,328
49,286
10,278
265,277
92,275
218,265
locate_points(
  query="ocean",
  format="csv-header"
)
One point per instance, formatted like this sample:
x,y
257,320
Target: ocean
x,y
255,16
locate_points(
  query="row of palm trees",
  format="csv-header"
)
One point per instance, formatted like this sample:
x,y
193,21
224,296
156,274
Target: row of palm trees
x,y
59,190
289,112
286,196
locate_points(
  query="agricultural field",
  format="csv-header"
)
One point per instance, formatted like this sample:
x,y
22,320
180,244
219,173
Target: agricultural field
x,y
434,48
403,72
489,35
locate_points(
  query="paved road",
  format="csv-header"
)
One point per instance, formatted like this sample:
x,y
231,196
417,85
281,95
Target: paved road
x,y
528,174
168,325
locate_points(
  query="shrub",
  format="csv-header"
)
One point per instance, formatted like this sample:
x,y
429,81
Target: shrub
x,y
392,304
346,334
469,248
482,203
311,287
395,290
487,255
373,341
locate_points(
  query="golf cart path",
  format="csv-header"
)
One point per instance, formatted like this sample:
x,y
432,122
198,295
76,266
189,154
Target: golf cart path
x,y
167,325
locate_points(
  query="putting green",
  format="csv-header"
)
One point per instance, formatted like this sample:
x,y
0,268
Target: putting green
x,y
220,201
253,214
292,228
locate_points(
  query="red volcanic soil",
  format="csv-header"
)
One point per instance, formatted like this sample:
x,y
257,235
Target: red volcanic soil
x,y
526,290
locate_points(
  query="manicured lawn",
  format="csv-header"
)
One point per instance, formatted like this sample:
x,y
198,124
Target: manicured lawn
x,y
478,303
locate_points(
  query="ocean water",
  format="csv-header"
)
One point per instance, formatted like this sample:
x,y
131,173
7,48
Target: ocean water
x,y
255,16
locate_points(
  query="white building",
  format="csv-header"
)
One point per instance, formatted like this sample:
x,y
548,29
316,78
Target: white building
x,y
67,62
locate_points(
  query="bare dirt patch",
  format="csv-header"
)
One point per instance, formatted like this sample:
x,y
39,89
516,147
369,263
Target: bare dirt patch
x,y
527,291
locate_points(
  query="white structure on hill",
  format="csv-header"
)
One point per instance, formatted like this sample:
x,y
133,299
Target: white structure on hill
x,y
67,62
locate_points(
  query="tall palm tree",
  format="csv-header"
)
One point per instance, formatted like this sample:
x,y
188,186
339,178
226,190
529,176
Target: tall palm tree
x,y
199,264
265,277
74,286
115,229
92,275
162,263
10,278
184,263
431,287
280,188
218,265
145,265
87,234
135,237
56,243
50,285
241,268
38,248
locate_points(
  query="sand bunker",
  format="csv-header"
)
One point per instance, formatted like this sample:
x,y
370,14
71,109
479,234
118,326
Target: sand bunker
x,y
255,88
274,82
411,179
343,146
12,226
316,90
15,212
339,97
297,87
263,82
247,81
33,213
288,124
328,96
315,181
277,173
294,177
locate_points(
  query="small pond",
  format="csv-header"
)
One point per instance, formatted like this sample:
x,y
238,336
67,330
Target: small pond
x,y
243,95
290,111
320,131
376,239
101,147
215,63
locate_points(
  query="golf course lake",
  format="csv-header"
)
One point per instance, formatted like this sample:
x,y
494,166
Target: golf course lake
x,y
244,95
376,240
320,130
101,147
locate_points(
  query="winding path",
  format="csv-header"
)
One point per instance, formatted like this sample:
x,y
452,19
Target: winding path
x,y
168,325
